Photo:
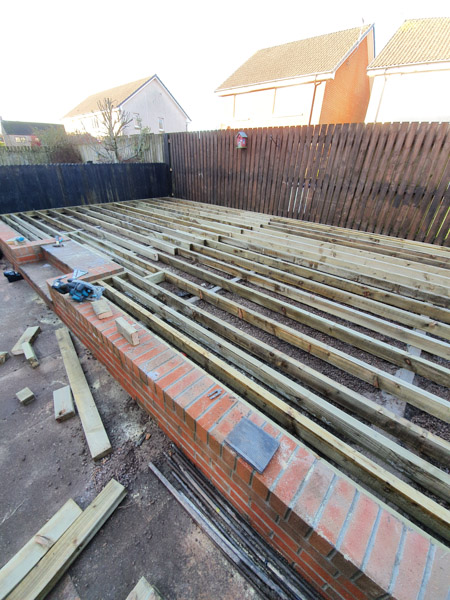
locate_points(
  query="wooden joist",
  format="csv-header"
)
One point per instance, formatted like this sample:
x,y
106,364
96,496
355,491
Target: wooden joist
x,y
63,403
45,574
143,591
96,436
30,354
21,563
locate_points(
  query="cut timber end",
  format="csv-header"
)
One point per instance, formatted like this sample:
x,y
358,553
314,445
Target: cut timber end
x,y
102,309
128,331
3,357
18,567
29,335
96,435
25,396
63,403
48,571
30,354
143,591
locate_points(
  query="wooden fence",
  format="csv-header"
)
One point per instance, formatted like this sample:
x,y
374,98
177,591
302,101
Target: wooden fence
x,y
33,187
390,178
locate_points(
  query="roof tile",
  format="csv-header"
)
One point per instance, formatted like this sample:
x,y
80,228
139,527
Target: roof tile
x,y
321,54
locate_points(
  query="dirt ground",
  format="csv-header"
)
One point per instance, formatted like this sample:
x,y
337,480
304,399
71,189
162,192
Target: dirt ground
x,y
44,463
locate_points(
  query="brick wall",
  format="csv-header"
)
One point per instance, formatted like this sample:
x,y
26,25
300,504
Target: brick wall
x,y
347,96
344,542
18,254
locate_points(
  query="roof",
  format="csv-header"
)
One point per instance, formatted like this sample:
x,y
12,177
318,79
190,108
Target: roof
x,y
118,95
417,41
320,54
27,128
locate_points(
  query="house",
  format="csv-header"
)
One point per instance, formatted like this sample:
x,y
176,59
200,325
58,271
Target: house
x,y
318,80
23,133
147,102
411,75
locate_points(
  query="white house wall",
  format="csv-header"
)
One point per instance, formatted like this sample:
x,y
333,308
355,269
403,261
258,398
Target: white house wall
x,y
152,103
281,106
420,96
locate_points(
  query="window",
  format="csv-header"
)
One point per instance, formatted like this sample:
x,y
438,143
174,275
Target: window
x,y
137,121
161,125
21,139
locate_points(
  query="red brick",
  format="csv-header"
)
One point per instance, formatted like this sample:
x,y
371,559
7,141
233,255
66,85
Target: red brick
x,y
439,581
291,480
382,557
262,482
206,421
166,368
166,381
412,565
355,541
326,533
244,470
192,412
348,590
256,514
312,495
150,365
309,560
229,456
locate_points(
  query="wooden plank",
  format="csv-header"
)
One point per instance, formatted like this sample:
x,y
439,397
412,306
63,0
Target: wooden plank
x,y
127,331
96,437
41,579
21,563
30,354
29,335
63,403
143,591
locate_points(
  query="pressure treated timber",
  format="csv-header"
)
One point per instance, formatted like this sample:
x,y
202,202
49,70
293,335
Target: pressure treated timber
x,y
63,403
144,250
41,579
408,336
29,335
31,553
412,501
143,591
411,304
423,367
378,378
360,297
438,295
30,354
418,469
96,437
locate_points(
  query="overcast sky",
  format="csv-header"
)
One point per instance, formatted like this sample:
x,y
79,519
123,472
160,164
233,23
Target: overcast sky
x,y
56,53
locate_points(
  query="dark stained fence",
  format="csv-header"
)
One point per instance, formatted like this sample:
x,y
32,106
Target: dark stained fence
x,y
29,187
390,178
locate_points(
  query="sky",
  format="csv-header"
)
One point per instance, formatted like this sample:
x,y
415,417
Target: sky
x,y
53,54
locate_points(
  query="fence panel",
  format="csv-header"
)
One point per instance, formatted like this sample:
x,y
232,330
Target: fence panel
x,y
33,187
390,178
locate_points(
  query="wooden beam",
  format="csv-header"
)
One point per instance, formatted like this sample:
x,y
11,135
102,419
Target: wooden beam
x,y
96,437
21,563
41,579
29,335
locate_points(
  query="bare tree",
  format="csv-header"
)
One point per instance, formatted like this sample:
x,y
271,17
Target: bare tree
x,y
113,122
